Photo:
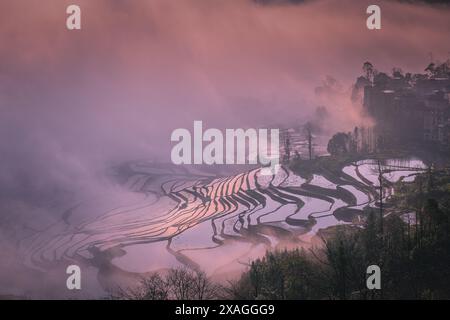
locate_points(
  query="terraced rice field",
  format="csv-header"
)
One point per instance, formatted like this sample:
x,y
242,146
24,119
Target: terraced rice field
x,y
217,223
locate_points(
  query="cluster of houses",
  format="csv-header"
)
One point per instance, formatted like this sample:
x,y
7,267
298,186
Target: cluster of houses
x,y
409,108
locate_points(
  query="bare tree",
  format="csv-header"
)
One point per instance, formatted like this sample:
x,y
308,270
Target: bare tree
x,y
155,288
204,288
151,288
181,283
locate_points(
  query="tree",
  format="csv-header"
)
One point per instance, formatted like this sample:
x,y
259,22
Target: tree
x,y
397,73
308,131
203,288
179,284
346,263
380,181
154,288
287,148
369,71
381,80
431,69
339,144
355,140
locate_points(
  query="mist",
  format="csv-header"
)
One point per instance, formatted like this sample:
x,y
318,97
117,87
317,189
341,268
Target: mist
x,y
74,103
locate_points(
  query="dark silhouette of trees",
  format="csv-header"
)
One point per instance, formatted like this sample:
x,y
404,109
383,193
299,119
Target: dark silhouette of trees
x,y
178,284
369,71
309,138
279,275
339,144
414,256
380,193
438,70
287,148
397,73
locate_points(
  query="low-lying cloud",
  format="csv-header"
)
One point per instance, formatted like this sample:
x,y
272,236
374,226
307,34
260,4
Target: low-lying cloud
x,y
74,102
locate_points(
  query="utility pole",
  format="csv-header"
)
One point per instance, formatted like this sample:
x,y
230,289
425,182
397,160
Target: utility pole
x,y
309,137
287,148
310,144
380,179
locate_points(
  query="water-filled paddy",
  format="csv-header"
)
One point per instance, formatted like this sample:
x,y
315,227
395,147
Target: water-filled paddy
x,y
168,217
